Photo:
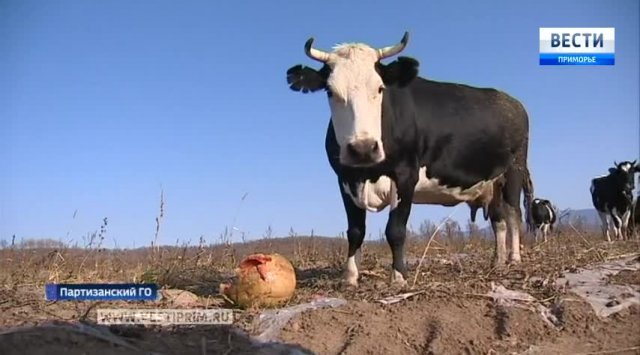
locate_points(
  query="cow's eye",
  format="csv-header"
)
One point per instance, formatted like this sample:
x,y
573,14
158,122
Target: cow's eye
x,y
380,89
329,93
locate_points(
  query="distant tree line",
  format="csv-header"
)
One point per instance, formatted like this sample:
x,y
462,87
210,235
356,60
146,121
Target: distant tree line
x,y
31,243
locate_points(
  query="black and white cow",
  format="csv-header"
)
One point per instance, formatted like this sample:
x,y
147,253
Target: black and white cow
x,y
543,216
612,197
634,225
395,139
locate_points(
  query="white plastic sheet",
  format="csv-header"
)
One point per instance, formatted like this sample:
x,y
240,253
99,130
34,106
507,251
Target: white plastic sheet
x,y
590,283
271,321
501,293
512,298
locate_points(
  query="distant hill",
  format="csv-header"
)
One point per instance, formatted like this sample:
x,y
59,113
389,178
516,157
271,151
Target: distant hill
x,y
587,215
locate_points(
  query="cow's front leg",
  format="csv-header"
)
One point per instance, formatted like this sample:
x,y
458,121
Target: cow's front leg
x,y
617,225
605,225
396,230
356,219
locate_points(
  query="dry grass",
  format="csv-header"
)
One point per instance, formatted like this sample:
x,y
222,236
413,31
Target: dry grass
x,y
451,266
438,255
201,267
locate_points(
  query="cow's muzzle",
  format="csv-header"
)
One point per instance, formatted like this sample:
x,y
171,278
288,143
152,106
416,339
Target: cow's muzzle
x,y
363,152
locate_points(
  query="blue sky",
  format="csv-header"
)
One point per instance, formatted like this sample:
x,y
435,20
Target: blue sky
x,y
105,103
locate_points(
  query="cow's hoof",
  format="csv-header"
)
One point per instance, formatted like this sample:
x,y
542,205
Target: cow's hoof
x,y
397,280
346,286
349,281
499,263
499,266
398,286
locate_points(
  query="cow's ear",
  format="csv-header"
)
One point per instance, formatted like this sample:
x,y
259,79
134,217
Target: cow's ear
x,y
307,79
612,170
400,72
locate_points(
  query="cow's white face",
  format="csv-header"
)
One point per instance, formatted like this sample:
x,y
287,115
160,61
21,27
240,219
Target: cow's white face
x,y
355,81
355,92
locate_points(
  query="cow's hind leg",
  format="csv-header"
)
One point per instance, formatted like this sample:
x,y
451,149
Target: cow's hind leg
x,y
617,224
546,231
356,219
542,232
511,198
499,226
625,225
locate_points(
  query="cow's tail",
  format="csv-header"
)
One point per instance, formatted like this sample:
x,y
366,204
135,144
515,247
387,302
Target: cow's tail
x,y
527,189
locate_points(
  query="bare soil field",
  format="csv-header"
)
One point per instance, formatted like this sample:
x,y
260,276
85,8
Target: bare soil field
x,y
450,314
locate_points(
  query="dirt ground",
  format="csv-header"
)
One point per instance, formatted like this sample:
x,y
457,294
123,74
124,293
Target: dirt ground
x,y
451,315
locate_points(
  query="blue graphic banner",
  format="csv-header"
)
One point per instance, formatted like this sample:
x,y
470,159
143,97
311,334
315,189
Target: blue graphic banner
x,y
577,59
101,292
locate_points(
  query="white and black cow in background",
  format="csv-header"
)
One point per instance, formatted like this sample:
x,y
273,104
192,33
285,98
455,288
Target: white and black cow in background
x,y
395,139
543,216
612,197
634,225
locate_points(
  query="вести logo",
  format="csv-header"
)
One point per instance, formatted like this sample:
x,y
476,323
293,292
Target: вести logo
x,y
577,46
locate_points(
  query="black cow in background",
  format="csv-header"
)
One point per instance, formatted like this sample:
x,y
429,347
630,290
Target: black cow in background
x,y
634,224
543,216
612,196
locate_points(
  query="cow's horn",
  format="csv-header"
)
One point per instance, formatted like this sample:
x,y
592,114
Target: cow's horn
x,y
395,49
316,54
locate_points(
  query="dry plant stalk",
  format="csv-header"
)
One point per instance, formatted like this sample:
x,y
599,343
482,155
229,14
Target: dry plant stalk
x,y
155,245
424,254
587,242
90,245
54,270
612,351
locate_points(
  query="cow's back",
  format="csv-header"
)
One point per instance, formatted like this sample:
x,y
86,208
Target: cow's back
x,y
466,134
